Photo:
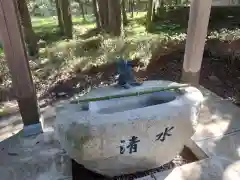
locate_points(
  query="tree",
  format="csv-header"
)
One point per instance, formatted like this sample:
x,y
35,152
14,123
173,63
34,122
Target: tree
x,y
115,20
124,14
178,2
131,7
82,9
110,16
66,17
103,14
149,15
96,13
156,8
160,4
29,35
60,21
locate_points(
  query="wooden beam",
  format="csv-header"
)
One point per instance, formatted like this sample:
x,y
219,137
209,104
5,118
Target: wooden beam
x,y
15,53
197,30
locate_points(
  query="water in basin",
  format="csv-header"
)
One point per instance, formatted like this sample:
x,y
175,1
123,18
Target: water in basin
x,y
130,103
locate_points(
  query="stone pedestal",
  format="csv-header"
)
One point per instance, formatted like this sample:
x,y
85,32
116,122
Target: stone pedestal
x,y
126,135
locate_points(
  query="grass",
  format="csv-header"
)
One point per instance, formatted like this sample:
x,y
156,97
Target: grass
x,y
47,29
61,59
1,52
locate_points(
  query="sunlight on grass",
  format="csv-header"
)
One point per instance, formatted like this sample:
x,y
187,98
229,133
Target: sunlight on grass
x,y
39,21
225,34
1,52
60,58
48,31
66,57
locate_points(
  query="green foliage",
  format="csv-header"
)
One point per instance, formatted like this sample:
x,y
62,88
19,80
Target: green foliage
x,y
42,8
60,59
47,28
4,72
1,51
92,43
47,8
225,34
67,57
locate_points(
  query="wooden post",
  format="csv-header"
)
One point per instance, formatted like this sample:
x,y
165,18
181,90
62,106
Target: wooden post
x,y
15,53
196,35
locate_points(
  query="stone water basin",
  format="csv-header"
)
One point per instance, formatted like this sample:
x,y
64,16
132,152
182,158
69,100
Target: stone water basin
x,y
125,135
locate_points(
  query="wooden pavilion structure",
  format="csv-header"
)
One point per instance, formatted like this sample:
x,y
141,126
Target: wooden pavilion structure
x,y
17,59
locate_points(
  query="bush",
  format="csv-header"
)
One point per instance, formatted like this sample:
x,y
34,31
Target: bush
x,y
4,72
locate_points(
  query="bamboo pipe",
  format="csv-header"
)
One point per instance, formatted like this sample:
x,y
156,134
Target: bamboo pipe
x,y
129,94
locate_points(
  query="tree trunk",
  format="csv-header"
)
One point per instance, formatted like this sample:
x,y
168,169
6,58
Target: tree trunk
x,y
155,9
178,2
159,4
132,8
103,12
96,13
83,13
29,34
82,9
60,21
129,5
124,15
149,15
66,17
115,20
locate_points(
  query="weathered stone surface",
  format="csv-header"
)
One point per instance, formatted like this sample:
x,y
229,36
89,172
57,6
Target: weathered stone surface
x,y
218,136
33,158
218,133
215,168
226,146
100,138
